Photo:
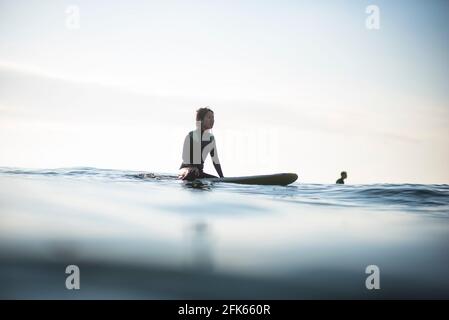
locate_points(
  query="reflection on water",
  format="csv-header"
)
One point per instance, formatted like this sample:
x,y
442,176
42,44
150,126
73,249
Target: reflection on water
x,y
201,240
158,237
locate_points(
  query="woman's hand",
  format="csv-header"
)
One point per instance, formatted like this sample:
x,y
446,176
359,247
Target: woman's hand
x,y
184,172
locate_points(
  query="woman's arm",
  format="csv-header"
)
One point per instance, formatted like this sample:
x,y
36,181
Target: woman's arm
x,y
215,160
186,151
218,169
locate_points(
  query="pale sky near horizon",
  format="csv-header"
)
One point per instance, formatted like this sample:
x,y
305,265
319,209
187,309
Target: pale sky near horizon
x,y
296,86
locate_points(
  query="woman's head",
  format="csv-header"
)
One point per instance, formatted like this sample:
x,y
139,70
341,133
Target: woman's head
x,y
205,117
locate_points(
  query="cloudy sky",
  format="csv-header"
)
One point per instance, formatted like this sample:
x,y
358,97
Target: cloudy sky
x,y
296,86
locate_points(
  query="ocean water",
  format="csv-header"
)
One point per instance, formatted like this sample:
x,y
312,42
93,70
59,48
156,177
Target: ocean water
x,y
161,238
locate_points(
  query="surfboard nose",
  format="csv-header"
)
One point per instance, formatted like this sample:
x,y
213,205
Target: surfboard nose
x,y
289,178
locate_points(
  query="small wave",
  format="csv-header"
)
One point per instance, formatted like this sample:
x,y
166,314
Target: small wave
x,y
422,195
432,199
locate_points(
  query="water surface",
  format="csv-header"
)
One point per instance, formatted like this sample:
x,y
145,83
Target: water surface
x,y
160,238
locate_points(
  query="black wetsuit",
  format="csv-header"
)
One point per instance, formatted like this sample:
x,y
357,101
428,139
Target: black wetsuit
x,y
193,157
340,181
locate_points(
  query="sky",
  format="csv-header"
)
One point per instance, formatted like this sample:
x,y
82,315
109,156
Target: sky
x,y
296,86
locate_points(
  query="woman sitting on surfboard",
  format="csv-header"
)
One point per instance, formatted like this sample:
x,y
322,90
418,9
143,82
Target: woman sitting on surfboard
x,y
197,145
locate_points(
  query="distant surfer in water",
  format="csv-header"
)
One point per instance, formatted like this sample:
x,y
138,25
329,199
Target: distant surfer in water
x,y
197,145
342,179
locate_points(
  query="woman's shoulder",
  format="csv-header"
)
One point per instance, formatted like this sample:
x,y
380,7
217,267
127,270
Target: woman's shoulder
x,y
208,136
196,135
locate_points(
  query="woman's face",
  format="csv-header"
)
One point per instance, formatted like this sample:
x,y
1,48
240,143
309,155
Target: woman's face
x,y
208,121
